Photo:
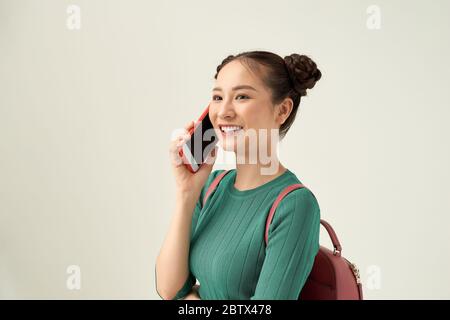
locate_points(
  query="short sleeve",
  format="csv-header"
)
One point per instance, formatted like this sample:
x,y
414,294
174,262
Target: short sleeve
x,y
292,247
187,287
191,280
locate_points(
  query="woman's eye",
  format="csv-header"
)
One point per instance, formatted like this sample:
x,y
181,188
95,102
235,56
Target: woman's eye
x,y
241,95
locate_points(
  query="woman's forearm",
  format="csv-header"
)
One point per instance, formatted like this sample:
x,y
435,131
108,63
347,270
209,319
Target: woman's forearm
x,y
172,267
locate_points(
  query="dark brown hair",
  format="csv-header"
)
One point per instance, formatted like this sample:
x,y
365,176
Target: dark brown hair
x,y
288,77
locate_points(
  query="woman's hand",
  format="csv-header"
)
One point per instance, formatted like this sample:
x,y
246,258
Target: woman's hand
x,y
186,181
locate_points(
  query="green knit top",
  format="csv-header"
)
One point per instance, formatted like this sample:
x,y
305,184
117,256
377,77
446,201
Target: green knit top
x,y
228,255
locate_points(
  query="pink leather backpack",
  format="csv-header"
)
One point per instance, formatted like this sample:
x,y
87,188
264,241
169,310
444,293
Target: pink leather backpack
x,y
332,276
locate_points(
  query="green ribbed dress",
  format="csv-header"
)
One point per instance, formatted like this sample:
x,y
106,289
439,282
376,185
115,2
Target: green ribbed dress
x,y
227,252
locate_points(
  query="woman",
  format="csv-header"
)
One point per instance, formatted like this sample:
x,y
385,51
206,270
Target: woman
x,y
222,243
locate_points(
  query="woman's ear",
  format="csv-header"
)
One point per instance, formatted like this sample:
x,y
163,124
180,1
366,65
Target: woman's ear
x,y
283,110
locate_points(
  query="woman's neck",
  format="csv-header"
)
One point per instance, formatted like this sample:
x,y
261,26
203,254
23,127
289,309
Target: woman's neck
x,y
250,176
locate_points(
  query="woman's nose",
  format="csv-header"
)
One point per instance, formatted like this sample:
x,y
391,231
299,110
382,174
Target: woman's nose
x,y
226,110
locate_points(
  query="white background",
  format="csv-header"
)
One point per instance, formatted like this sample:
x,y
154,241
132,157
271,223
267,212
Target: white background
x,y
86,118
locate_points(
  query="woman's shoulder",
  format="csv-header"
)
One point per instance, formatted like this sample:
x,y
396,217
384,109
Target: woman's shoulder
x,y
299,211
298,201
300,194
213,175
303,194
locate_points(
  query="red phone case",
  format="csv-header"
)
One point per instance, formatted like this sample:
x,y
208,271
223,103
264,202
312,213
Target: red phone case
x,y
191,131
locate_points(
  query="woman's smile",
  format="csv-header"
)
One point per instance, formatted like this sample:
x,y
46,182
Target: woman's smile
x,y
230,131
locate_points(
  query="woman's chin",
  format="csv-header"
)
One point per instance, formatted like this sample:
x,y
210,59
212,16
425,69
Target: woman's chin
x,y
238,152
229,146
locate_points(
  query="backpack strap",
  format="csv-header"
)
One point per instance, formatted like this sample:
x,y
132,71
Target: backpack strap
x,y
213,185
334,239
275,205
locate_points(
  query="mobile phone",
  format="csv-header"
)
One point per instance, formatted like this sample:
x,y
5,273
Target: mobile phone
x,y
203,139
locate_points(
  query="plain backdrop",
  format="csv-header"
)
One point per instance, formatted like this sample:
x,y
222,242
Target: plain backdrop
x,y
86,118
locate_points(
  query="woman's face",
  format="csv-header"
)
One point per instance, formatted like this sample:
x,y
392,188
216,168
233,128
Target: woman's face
x,y
248,107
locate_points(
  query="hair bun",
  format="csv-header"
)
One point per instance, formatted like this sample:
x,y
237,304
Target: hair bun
x,y
302,71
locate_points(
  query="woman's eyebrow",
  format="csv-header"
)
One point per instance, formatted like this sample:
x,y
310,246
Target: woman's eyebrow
x,y
236,88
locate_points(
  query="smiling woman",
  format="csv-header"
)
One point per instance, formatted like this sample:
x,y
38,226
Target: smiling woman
x,y
259,90
220,241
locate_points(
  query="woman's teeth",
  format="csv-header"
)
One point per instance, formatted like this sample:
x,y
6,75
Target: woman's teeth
x,y
230,130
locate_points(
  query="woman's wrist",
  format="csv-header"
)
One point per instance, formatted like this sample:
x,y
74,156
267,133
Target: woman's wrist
x,y
187,196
